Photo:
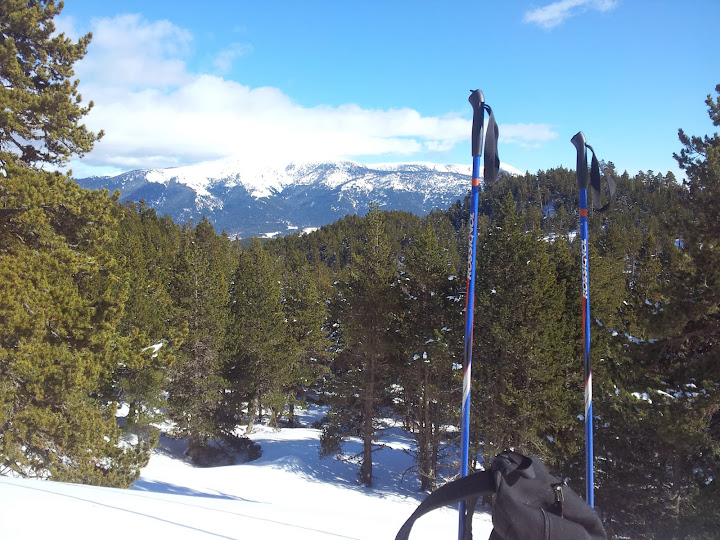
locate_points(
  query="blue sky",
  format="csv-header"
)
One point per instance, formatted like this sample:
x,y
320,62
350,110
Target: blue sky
x,y
178,82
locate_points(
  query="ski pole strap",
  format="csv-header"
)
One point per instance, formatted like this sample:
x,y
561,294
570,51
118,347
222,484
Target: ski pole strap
x,y
492,161
468,488
595,183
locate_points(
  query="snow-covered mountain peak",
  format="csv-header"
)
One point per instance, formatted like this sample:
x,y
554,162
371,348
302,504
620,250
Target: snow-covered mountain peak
x,y
258,179
247,197
264,179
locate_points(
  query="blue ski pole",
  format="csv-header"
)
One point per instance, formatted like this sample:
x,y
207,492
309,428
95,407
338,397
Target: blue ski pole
x,y
582,177
490,174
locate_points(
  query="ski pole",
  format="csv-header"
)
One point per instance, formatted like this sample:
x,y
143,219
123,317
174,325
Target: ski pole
x,y
582,178
477,100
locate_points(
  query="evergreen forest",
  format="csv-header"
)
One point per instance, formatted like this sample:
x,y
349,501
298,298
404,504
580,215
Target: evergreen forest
x,y
114,319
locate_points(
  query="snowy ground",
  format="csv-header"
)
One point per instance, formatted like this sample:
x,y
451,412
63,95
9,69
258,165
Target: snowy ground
x,y
288,493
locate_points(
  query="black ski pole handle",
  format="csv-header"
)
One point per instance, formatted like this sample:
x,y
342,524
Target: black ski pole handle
x,y
477,100
582,169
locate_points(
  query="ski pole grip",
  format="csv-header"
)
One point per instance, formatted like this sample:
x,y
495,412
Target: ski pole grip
x,y
582,169
477,100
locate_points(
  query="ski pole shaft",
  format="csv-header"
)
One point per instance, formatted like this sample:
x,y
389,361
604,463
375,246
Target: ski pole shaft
x,y
582,176
477,100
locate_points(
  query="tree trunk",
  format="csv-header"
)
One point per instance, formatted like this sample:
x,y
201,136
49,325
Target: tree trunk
x,y
291,414
195,443
677,487
435,427
424,436
367,430
253,410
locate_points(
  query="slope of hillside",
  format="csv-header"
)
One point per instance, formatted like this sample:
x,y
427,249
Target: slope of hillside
x,y
288,493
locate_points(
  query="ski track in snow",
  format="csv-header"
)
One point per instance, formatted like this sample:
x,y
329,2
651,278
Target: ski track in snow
x,y
288,493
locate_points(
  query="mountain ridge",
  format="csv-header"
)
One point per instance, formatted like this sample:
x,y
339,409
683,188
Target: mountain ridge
x,y
247,199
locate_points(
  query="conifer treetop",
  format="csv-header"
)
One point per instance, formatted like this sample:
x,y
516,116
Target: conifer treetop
x,y
40,107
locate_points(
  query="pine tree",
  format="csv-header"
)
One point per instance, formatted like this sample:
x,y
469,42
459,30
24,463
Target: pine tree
x,y
201,292
431,320
522,352
688,362
62,297
659,407
63,291
41,107
367,320
258,339
305,294
700,158
145,249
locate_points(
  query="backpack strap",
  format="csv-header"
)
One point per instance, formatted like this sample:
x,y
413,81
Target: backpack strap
x,y
467,488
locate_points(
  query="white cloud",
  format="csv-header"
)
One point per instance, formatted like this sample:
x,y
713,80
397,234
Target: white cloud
x,y
128,51
157,113
558,12
527,135
65,24
209,117
224,60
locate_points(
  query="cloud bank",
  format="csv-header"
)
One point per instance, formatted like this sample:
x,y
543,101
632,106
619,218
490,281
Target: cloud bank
x,y
158,113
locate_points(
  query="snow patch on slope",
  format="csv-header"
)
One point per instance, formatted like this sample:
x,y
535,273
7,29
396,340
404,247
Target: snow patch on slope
x,y
288,493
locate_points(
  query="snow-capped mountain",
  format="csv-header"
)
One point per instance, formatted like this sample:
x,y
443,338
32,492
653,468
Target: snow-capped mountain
x,y
251,200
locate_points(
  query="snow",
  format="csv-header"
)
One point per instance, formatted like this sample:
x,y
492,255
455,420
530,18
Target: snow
x,y
260,179
642,396
123,410
263,179
154,348
451,168
288,493
359,184
417,165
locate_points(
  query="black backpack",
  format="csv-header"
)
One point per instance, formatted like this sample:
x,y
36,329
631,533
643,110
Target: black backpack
x,y
529,503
